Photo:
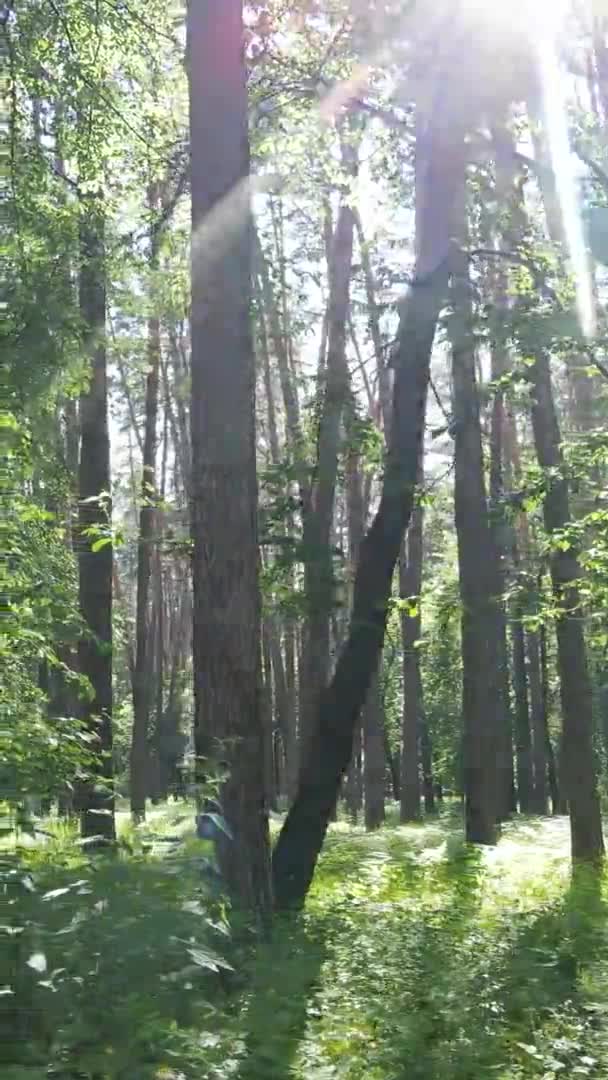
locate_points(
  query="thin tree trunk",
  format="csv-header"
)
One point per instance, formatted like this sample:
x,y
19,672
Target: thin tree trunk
x,y
410,580
539,722
226,627
291,683
374,762
96,796
499,538
355,512
579,779
142,685
426,753
382,369
523,740
318,569
330,748
268,718
393,766
558,803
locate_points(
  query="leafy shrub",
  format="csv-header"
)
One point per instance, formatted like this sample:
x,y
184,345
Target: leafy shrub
x,y
107,957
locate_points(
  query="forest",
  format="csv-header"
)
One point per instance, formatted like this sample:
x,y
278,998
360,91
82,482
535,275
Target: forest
x,y
304,533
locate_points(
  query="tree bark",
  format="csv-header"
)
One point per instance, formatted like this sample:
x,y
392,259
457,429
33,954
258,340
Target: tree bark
x,y
95,797
142,683
226,626
539,722
481,698
558,803
410,580
382,369
330,748
317,523
523,740
374,762
575,688
499,531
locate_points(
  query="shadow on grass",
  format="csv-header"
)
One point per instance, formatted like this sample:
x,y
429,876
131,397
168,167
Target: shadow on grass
x,y
281,996
440,990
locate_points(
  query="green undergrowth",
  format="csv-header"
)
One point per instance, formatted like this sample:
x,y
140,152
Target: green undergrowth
x,y
416,958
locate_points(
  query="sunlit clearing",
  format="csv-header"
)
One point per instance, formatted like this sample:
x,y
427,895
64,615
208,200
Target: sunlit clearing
x,y
554,105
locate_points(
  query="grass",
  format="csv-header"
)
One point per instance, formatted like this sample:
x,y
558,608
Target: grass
x,y
416,958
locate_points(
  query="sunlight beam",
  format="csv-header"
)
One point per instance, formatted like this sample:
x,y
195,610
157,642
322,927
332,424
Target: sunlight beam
x,y
556,118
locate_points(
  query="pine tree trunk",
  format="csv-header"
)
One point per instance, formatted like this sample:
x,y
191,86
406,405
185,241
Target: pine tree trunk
x,y
393,766
268,714
481,699
499,539
426,755
95,797
226,629
318,568
538,723
523,739
579,766
142,684
331,745
558,802
374,762
353,782
410,580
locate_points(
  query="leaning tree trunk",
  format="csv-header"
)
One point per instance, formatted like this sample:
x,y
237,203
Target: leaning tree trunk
x,y
577,748
226,625
95,797
330,747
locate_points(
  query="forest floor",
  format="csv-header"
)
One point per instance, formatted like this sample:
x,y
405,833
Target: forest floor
x,y
416,958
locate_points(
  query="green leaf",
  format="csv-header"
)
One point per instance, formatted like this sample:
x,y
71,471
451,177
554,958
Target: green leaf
x,y
101,543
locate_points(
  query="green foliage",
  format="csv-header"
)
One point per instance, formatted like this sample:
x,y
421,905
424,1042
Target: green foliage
x,y
416,956
110,959
42,746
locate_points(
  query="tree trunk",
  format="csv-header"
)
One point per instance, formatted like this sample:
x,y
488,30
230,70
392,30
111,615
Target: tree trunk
x,y
331,745
353,793
291,684
539,723
481,698
226,625
575,688
268,720
426,757
558,803
374,762
142,684
382,369
499,530
95,797
410,580
318,567
393,766
523,741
